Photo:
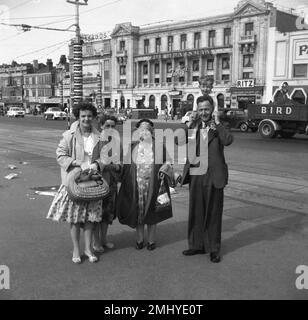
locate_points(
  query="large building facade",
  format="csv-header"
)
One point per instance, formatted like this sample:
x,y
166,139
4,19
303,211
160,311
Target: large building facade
x,y
160,66
288,62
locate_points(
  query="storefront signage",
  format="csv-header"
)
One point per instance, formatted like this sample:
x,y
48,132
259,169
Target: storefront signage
x,y
301,51
180,54
274,110
175,93
96,37
249,83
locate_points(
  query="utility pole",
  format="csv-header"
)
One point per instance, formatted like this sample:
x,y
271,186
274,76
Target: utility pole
x,y
77,47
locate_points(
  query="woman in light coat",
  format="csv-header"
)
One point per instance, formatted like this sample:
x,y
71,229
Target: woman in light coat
x,y
79,147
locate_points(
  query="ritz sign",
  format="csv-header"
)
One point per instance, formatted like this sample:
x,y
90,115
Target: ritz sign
x,y
301,51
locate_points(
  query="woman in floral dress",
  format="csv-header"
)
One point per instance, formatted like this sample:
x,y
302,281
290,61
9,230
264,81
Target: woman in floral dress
x,y
79,147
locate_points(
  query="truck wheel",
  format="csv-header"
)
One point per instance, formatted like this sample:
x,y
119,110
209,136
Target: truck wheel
x,y
244,127
286,135
267,130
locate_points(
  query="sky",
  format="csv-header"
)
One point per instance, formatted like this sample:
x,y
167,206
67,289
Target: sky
x,y
97,16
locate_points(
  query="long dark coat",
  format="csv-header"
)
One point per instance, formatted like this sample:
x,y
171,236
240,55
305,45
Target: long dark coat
x,y
127,204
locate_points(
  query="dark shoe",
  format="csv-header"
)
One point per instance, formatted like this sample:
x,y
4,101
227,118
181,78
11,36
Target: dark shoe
x,y
192,252
215,257
139,245
151,246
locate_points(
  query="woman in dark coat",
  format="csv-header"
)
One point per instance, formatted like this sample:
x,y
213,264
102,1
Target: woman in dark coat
x,y
143,183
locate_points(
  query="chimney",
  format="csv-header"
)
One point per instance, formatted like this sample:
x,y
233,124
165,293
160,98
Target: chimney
x,y
35,65
49,64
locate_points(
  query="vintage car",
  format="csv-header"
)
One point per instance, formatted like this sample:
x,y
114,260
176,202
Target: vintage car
x,y
55,113
16,112
238,119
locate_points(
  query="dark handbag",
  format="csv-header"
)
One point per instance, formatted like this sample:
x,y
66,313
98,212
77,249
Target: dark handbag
x,y
163,200
86,186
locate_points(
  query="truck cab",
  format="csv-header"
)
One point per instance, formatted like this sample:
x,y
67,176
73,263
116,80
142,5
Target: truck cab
x,y
280,119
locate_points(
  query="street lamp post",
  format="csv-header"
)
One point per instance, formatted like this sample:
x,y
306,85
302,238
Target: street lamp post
x,y
77,60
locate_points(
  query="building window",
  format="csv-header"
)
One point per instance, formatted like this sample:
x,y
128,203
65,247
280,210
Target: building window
x,y
181,79
122,45
197,38
170,43
156,68
169,67
156,80
247,75
152,102
210,64
122,70
195,78
225,77
145,69
145,81
169,80
146,46
226,63
33,93
212,35
122,81
248,61
128,103
300,70
227,36
248,29
183,41
157,45
116,103
195,65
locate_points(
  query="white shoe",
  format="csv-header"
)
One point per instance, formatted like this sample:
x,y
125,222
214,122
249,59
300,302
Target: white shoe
x,y
92,258
76,260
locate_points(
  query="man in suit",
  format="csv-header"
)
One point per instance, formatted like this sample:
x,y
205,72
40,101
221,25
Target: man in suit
x,y
206,188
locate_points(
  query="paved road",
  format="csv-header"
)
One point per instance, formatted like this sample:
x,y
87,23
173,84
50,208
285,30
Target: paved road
x,y
264,233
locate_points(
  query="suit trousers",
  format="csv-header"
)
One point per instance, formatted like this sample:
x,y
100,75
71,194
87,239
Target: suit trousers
x,y
205,215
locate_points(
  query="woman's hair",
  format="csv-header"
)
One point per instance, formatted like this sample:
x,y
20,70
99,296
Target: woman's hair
x,y
104,118
82,106
145,120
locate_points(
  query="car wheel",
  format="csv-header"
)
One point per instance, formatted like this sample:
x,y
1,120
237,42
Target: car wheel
x,y
244,127
267,130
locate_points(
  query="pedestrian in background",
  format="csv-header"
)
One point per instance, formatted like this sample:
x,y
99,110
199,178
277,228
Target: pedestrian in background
x,y
141,185
79,147
206,190
110,160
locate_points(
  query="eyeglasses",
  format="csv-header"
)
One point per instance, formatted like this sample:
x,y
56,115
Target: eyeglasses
x,y
110,126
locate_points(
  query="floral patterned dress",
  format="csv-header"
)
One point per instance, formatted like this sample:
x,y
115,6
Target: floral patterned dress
x,y
144,163
66,210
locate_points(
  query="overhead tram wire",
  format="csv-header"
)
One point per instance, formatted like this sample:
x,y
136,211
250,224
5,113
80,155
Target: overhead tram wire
x,y
35,51
27,27
52,51
81,13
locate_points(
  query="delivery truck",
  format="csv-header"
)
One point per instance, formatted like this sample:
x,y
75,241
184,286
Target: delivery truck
x,y
275,119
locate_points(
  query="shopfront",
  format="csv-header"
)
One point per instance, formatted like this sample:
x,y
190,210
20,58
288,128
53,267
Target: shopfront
x,y
245,93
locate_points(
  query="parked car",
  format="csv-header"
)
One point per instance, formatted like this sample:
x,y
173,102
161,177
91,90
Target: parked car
x,y
238,119
16,112
55,113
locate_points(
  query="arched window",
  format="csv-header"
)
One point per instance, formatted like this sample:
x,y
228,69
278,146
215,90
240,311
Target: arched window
x,y
190,101
221,101
152,102
164,102
298,96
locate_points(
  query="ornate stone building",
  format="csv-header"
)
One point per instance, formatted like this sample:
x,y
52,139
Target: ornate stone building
x,y
160,66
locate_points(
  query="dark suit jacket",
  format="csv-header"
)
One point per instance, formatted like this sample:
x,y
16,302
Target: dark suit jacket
x,y
217,173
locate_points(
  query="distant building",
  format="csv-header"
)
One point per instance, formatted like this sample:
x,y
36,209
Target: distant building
x,y
161,65
11,82
96,68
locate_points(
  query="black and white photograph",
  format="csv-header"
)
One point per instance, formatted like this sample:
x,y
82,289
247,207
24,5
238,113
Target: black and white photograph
x,y
154,151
